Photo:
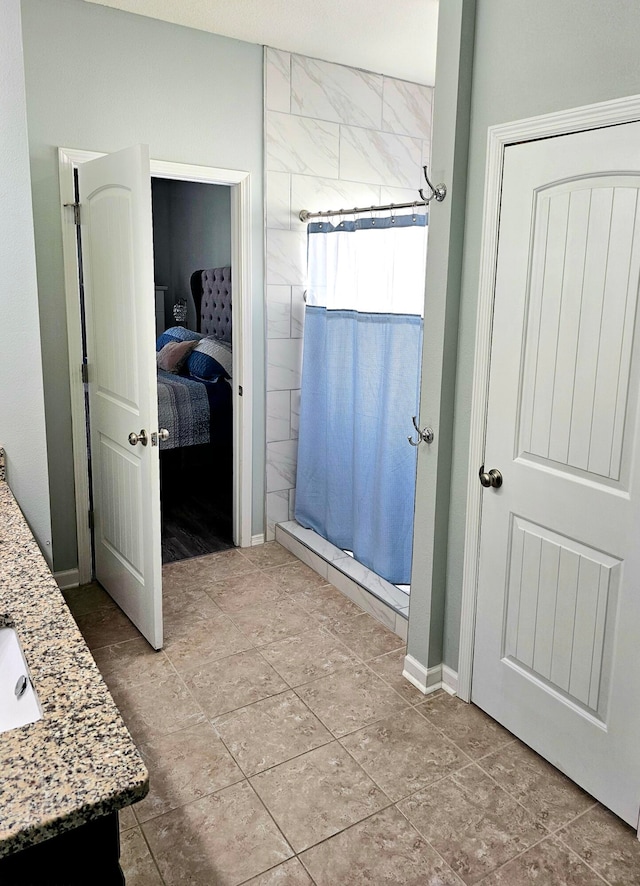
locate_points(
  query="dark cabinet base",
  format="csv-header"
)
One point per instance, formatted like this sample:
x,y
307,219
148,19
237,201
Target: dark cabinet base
x,y
87,854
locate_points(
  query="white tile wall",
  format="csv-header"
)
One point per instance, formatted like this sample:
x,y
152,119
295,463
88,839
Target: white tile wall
x,y
279,416
381,158
406,108
277,75
278,311
328,91
300,144
335,137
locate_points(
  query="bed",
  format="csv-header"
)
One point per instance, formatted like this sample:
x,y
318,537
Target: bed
x,y
195,397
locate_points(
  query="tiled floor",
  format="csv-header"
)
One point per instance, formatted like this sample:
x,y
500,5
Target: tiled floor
x,y
285,748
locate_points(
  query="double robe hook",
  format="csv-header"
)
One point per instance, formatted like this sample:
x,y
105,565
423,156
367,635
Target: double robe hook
x,y
437,191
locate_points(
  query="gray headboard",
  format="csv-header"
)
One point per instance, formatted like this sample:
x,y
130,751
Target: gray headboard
x,y
211,290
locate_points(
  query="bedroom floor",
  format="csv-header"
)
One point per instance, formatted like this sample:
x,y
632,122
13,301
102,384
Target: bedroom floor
x,y
197,502
285,748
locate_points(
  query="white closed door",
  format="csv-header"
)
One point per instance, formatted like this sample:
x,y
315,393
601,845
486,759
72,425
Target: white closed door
x,y
117,254
557,640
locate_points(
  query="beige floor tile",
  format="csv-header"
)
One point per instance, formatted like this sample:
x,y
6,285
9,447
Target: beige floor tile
x,y
184,766
325,602
87,598
201,641
104,627
270,732
156,708
189,602
308,656
547,864
270,554
132,662
350,699
472,822
201,571
607,844
317,795
365,636
383,849
136,861
291,873
126,818
237,592
390,667
269,622
465,724
549,795
222,840
233,682
294,577
404,753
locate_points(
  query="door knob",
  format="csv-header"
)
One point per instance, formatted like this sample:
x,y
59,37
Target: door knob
x,y
490,478
138,438
163,433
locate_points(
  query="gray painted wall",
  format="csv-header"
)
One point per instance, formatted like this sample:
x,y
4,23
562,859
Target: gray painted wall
x,y
22,423
101,79
191,230
529,58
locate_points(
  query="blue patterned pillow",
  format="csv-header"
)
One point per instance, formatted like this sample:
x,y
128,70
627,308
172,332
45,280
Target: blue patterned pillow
x,y
177,333
210,359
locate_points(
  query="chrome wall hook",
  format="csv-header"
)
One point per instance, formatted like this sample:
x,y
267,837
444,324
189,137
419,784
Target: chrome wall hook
x,y
425,435
439,191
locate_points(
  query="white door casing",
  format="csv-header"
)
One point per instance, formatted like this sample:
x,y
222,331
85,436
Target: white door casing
x,y
557,613
117,251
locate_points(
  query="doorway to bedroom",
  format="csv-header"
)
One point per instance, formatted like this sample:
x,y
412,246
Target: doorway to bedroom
x,y
193,298
142,352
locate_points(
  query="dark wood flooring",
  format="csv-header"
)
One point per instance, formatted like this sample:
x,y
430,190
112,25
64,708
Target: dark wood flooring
x,y
196,496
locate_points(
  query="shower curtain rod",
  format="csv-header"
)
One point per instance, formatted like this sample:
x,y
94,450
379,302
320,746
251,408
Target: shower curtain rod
x,y
304,215
439,192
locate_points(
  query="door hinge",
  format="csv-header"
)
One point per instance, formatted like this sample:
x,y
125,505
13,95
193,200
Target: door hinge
x,y
84,371
76,212
91,520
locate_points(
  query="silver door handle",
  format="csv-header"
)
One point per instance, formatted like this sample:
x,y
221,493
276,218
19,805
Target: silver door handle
x,y
138,438
163,433
492,478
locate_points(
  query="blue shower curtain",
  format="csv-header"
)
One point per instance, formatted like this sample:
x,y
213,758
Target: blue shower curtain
x,y
360,388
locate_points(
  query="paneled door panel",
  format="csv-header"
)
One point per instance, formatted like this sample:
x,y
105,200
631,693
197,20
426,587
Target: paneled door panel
x,y
115,197
558,618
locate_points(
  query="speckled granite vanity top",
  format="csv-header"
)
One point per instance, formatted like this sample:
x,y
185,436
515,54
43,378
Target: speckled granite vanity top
x,y
78,762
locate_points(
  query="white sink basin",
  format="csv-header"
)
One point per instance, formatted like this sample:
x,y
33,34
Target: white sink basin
x,y
19,703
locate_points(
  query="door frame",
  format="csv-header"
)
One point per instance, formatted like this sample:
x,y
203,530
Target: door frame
x,y
240,185
595,116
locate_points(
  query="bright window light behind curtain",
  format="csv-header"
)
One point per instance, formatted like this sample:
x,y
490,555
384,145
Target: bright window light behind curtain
x,y
360,387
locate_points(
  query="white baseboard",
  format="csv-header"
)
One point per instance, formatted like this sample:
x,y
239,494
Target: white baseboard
x,y
69,578
427,680
257,539
449,680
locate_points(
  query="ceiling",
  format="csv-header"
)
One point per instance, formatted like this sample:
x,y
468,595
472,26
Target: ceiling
x,y
393,37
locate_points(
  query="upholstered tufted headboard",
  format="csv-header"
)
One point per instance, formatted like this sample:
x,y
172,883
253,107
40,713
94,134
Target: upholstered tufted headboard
x,y
211,290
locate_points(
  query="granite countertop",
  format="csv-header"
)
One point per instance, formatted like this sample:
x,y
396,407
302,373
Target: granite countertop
x,y
78,762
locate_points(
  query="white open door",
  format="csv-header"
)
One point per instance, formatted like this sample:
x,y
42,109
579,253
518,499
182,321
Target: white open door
x,y
117,257
558,617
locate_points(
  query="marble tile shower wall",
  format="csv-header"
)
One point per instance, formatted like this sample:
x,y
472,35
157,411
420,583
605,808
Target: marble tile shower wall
x,y
334,137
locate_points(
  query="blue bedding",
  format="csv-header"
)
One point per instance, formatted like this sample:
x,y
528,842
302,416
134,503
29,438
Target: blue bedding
x,y
194,412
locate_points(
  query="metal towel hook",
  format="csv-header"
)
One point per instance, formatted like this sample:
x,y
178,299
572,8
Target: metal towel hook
x,y
425,435
439,191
